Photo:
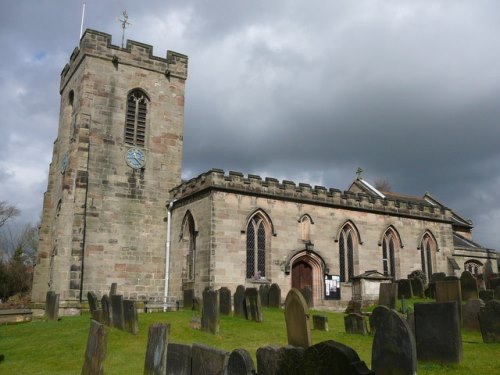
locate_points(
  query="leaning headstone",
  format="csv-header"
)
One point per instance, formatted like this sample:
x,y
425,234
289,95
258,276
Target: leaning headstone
x,y
297,319
117,311
489,321
156,349
417,287
52,306
178,359
468,285
113,289
274,296
449,290
388,295
210,312
239,301
437,332
130,318
188,296
273,360
240,363
96,349
487,295
320,322
308,295
355,323
208,361
333,358
253,307
264,295
404,288
470,313
225,301
393,349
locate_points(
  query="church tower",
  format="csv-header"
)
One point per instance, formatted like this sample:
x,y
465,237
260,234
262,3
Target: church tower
x,y
117,154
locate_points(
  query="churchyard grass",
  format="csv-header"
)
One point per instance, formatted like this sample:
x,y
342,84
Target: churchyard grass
x,y
54,348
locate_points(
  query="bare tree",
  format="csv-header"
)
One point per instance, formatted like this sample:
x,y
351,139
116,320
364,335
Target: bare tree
x,y
382,184
7,211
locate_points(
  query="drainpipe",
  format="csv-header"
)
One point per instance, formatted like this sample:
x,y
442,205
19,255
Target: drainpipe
x,y
167,253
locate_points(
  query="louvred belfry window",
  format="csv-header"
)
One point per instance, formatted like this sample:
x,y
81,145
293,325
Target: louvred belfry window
x,y
135,121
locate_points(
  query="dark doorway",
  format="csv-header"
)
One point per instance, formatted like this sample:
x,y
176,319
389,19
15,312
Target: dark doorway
x,y
302,275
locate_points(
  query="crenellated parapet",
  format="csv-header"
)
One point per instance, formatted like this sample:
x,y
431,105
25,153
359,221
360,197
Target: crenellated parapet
x,y
99,45
268,187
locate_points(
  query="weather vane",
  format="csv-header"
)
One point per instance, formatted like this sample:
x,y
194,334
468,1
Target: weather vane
x,y
124,23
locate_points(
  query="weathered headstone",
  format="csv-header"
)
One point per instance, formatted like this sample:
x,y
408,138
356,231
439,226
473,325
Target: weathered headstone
x,y
210,312
388,295
117,311
308,295
437,332
468,285
197,305
225,301
95,312
333,358
320,322
240,363
353,306
178,359
410,319
449,290
417,287
188,296
273,360
156,349
264,295
355,323
297,319
451,277
470,313
438,276
489,321
274,296
130,317
487,295
394,350
253,307
95,353
404,288
52,306
239,301
208,361
113,289
106,310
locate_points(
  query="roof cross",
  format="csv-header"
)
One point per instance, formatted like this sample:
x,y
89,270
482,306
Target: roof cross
x,y
359,173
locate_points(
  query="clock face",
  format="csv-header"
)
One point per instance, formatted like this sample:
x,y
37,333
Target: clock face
x,y
135,158
64,163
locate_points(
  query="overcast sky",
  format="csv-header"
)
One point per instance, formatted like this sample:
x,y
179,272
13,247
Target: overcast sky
x,y
300,90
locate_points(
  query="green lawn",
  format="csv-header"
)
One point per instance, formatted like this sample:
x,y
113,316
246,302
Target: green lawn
x,y
58,347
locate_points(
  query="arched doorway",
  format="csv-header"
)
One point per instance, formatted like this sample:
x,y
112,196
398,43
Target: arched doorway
x,y
307,270
302,274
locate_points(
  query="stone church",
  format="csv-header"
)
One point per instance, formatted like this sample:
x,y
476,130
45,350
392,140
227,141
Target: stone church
x,y
117,211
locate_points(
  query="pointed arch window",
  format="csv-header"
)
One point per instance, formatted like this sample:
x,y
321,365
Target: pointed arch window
x,y
427,251
256,247
305,228
135,119
347,242
390,245
189,234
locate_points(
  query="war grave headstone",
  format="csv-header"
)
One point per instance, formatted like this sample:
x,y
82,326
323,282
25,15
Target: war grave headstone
x,y
320,322
333,358
117,311
450,290
52,306
253,308
178,359
106,310
404,288
297,319
468,286
264,295
308,295
394,349
208,361
95,352
489,321
225,301
437,332
188,296
210,318
95,311
417,287
287,360
113,290
274,296
240,363
355,323
130,317
388,295
470,313
155,362
487,295
239,302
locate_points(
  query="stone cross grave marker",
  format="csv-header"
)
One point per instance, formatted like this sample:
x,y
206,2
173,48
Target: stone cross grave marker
x,y
404,289
253,307
489,321
470,313
239,301
95,353
272,360
117,311
297,319
178,359
210,313
240,363
264,295
274,296
225,301
208,361
388,295
468,285
156,349
130,317
52,306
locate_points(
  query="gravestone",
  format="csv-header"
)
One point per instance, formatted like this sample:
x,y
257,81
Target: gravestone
x,y
178,359
320,323
225,301
272,360
435,277
493,282
468,285
52,306
156,349
355,323
394,350
437,332
333,358
113,289
308,295
438,276
487,295
470,313
297,319
208,361
417,287
240,363
404,288
274,296
449,290
353,306
95,312
95,352
489,321
210,312
388,295
188,296
130,318
264,295
410,319
197,305
117,311
106,310
239,302
252,305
